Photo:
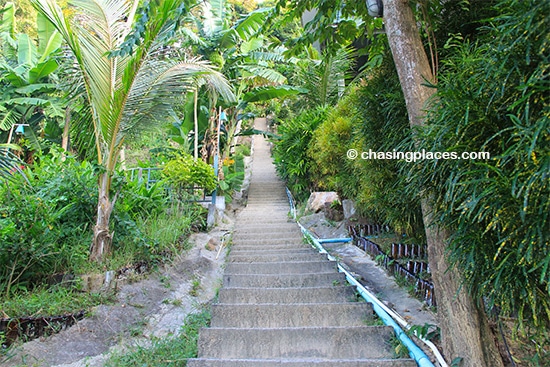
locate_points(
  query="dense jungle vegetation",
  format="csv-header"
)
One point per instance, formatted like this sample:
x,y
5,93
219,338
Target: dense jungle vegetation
x,y
171,84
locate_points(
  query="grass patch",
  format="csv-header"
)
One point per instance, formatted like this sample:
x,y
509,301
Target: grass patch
x,y
170,351
196,287
48,302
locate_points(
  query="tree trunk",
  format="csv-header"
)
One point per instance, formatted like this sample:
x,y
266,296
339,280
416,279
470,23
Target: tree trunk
x,y
464,326
101,244
65,137
196,123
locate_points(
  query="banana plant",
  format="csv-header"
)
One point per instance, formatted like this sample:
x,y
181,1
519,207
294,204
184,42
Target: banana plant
x,y
129,84
27,75
245,57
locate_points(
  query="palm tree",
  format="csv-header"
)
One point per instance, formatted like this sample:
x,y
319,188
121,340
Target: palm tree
x,y
325,76
128,84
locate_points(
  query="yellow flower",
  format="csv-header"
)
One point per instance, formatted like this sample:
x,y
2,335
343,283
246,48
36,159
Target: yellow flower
x,y
228,161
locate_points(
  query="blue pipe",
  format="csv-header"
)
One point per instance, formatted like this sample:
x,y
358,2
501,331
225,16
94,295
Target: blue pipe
x,y
415,352
334,240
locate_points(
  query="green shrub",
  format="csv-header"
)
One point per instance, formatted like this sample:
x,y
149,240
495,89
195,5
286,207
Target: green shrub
x,y
291,151
45,224
381,124
186,172
330,142
372,116
233,176
136,198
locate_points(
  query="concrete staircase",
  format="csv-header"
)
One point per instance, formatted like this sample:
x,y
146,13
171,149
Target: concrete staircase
x,y
282,303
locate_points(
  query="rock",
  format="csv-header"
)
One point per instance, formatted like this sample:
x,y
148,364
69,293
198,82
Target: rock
x,y
99,283
212,244
349,208
92,282
333,211
65,280
317,200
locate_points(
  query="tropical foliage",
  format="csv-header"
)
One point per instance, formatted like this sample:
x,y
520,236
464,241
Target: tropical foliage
x,y
371,117
186,172
493,96
133,65
28,82
291,151
127,81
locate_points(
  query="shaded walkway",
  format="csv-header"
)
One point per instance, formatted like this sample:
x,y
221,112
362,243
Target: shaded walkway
x,y
282,303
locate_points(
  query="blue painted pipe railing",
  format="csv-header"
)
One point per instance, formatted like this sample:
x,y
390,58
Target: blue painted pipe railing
x,y
415,351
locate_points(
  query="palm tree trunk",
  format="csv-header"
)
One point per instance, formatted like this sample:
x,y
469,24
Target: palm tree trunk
x,y
464,326
102,240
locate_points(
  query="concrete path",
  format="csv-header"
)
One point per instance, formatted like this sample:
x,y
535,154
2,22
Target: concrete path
x,y
282,303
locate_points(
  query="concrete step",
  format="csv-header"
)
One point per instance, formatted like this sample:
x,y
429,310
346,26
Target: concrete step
x,y
288,231
267,250
263,190
264,210
276,240
291,315
302,362
276,258
284,227
264,222
283,280
263,218
290,267
310,342
287,295
260,204
281,246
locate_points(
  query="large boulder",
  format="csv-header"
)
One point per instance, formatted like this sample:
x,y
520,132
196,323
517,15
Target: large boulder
x,y
317,200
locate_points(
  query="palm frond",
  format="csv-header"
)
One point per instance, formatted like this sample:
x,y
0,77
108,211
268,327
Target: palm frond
x,y
99,27
8,118
10,164
326,78
161,84
192,36
266,73
214,14
267,56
